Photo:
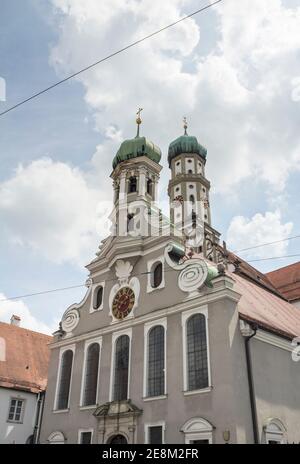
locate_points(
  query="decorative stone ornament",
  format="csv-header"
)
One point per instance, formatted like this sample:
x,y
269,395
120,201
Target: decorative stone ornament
x,y
70,320
194,272
193,276
123,271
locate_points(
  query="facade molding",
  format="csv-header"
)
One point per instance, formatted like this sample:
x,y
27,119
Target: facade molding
x,y
274,340
211,297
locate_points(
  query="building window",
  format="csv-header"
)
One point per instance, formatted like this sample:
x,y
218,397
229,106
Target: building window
x,y
132,185
56,438
196,369
194,220
121,368
156,361
85,437
190,171
130,223
16,410
155,270
117,440
149,186
274,432
197,352
198,431
98,298
91,375
156,275
154,433
65,380
192,199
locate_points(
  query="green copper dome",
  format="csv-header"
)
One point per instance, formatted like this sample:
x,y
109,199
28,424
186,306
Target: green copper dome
x,y
185,144
133,148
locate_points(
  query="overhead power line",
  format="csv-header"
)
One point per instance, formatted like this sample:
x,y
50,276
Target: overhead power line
x,y
71,76
115,279
41,293
265,244
273,257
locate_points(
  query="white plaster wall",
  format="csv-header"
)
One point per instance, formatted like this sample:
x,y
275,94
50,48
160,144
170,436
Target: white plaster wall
x,y
10,432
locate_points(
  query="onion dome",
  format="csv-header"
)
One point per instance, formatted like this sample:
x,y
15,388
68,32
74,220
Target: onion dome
x,y
139,146
185,144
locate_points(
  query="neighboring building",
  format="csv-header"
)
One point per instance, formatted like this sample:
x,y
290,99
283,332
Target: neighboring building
x,y
24,358
287,281
172,344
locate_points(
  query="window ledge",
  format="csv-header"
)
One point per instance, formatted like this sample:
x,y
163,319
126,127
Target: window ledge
x,y
153,289
153,398
14,422
196,392
60,411
83,408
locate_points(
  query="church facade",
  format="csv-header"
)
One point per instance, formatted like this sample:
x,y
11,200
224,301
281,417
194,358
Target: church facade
x,y
177,340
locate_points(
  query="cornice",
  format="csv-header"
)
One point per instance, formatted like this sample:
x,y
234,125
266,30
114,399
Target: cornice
x,y
210,297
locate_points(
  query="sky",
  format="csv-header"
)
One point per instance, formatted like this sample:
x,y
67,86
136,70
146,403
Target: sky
x,y
233,71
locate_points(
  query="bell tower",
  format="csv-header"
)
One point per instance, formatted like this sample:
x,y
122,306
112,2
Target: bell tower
x,y
135,177
189,192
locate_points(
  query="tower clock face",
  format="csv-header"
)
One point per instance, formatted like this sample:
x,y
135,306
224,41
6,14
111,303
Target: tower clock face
x,y
123,303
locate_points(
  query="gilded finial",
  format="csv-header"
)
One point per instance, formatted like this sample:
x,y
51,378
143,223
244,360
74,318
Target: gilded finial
x,y
185,125
139,121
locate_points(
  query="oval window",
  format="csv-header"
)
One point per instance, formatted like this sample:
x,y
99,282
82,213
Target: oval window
x,y
156,275
98,298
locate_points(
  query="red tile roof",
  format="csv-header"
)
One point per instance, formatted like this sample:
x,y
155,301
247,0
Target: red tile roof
x,y
266,309
287,281
24,363
261,302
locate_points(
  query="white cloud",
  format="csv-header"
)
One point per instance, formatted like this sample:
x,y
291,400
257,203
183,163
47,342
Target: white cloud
x,y
28,321
237,95
260,229
49,207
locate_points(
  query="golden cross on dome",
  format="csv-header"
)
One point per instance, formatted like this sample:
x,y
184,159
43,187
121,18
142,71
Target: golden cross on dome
x,y
185,125
139,121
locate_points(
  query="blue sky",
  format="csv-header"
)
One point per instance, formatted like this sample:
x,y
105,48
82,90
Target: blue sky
x,y
237,81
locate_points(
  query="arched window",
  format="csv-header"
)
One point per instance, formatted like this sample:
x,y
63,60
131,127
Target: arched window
x,y
149,186
117,440
198,431
65,380
190,171
192,199
156,275
274,432
91,375
132,185
197,362
56,438
98,298
156,361
121,368
194,219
